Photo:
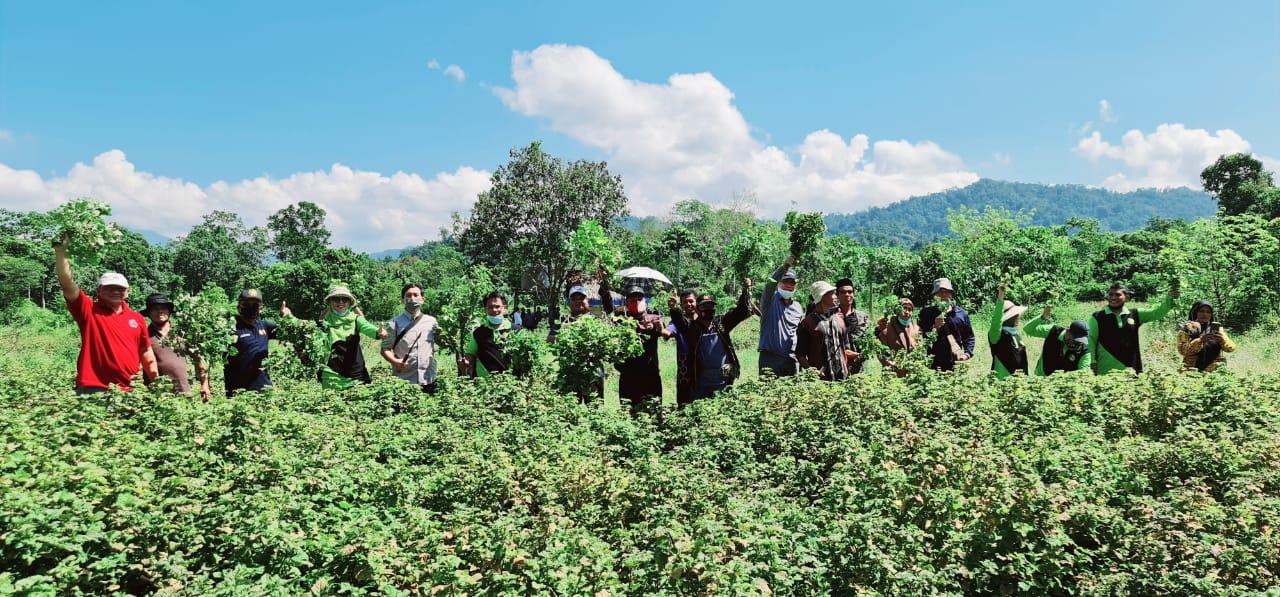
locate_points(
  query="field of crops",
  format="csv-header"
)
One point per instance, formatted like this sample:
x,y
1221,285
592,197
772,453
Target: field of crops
x,y
1165,483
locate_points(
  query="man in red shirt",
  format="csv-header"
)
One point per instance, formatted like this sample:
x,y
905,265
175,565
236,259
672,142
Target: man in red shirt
x,y
114,343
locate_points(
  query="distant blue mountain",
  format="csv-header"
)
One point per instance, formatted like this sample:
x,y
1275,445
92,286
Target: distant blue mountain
x,y
922,219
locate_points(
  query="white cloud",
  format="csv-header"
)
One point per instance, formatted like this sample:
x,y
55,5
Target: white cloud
x,y
1105,113
433,64
366,210
6,135
455,71
1172,156
1002,158
685,138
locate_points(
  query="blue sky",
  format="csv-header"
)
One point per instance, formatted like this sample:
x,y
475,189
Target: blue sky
x,y
249,106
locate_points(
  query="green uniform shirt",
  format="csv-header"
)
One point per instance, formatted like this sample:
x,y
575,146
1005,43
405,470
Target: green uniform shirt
x,y
1103,361
338,327
472,349
993,336
1038,328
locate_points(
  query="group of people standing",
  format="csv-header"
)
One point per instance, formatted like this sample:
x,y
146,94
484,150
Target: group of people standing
x,y
825,335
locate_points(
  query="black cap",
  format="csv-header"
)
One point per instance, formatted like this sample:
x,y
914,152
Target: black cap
x,y
790,274
1078,329
633,289
251,293
706,298
158,300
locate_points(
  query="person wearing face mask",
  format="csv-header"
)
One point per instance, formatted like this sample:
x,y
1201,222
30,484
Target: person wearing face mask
x,y
955,340
780,316
244,370
1008,351
640,378
899,334
1064,349
343,324
1113,331
410,343
485,353
713,363
822,342
1202,343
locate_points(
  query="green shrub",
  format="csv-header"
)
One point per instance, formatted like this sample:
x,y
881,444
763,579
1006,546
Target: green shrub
x,y
1151,484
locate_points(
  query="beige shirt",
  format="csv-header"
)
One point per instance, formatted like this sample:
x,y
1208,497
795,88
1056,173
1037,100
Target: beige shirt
x,y
417,346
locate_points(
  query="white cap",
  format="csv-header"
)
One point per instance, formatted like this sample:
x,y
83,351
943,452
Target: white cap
x,y
112,279
820,289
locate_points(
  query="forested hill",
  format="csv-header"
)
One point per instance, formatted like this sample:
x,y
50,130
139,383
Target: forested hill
x,y
924,218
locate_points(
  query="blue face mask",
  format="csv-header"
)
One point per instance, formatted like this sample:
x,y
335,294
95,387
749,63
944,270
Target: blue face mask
x,y
904,322
1011,330
494,319
786,294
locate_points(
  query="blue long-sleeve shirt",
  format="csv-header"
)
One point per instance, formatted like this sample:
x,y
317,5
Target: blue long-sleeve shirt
x,y
957,325
778,320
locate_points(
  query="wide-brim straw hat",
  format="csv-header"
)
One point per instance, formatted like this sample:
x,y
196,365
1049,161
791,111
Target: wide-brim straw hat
x,y
1011,310
340,292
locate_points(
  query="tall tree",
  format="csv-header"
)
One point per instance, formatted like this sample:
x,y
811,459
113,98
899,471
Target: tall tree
x,y
298,232
522,224
1237,180
220,250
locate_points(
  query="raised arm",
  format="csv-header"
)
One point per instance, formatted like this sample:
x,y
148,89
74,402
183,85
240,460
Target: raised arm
x,y
997,319
369,330
741,311
1159,311
62,268
1093,344
771,287
1039,327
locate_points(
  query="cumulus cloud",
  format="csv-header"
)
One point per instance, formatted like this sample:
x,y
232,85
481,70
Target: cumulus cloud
x,y
685,138
366,210
455,71
1171,156
1104,111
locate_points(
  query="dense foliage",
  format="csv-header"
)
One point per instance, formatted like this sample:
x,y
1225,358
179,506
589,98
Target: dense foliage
x,y
203,326
82,222
1157,484
585,347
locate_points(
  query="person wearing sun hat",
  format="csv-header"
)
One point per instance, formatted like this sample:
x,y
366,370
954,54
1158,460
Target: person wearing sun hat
x,y
343,326
821,340
1008,352
1065,349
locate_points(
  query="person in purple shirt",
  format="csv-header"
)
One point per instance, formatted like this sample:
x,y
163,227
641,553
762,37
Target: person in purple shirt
x,y
955,340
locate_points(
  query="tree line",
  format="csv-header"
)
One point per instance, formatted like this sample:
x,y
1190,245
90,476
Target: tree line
x,y
520,230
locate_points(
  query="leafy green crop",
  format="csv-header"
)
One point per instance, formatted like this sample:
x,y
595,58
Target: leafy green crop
x,y
585,346
87,232
203,326
305,351
807,231
529,354
593,250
